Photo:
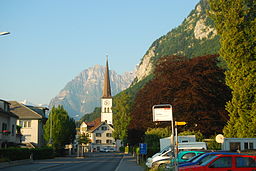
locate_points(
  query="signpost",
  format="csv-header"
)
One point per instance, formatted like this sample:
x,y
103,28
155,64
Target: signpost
x,y
163,112
143,151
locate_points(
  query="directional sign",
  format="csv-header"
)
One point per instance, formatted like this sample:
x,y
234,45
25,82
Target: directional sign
x,y
180,123
143,148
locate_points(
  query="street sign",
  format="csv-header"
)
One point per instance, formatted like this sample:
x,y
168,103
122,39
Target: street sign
x,y
162,113
180,123
143,148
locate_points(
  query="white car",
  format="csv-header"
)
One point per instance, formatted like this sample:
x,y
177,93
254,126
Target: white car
x,y
107,149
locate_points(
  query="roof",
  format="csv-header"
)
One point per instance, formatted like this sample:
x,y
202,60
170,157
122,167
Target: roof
x,y
10,114
23,111
106,87
93,125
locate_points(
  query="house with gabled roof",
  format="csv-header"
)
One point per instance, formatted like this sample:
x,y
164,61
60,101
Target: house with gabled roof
x,y
31,119
100,134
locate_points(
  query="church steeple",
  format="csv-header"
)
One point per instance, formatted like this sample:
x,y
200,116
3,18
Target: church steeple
x,y
106,100
106,86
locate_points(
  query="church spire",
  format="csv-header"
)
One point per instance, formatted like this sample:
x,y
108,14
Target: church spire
x,y
106,87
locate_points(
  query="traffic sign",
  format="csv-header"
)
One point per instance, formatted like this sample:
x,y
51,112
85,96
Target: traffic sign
x,y
180,123
143,148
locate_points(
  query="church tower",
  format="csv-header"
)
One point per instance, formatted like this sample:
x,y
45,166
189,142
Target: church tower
x,y
106,99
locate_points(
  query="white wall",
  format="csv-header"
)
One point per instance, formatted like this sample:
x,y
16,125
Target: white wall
x,y
31,134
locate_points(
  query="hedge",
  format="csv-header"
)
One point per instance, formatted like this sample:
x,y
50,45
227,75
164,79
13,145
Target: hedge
x,y
12,153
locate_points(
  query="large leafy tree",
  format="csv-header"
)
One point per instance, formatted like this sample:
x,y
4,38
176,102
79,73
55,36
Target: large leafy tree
x,y
235,22
62,128
121,117
194,87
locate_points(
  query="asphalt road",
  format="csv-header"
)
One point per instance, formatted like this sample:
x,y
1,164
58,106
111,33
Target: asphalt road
x,y
94,161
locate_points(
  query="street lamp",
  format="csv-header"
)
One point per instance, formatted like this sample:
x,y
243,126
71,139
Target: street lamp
x,y
4,33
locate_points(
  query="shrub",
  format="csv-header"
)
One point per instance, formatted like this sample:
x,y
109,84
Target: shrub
x,y
15,153
42,153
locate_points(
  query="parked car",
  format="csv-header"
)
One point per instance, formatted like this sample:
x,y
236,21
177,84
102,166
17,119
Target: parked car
x,y
182,156
107,149
167,151
204,157
225,162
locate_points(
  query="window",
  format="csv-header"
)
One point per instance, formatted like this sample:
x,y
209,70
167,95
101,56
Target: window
x,y
184,141
251,145
109,135
248,145
98,134
109,141
104,128
4,126
4,106
188,156
245,162
25,123
98,141
222,162
12,130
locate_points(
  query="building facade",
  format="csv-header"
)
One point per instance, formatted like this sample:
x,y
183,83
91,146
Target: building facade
x,y
31,120
8,132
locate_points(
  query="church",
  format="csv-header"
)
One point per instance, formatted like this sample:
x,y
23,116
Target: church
x,y
100,131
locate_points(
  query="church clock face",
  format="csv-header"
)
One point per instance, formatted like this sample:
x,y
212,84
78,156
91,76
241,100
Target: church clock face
x,y
106,102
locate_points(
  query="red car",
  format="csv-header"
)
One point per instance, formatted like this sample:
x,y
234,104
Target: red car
x,y
226,163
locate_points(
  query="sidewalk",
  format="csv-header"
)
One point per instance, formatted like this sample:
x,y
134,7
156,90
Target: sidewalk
x,y
128,163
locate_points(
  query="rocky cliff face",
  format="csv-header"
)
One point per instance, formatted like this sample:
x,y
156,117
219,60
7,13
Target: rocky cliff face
x,y
83,93
196,36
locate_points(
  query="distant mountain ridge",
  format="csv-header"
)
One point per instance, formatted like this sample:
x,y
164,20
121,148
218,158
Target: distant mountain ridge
x,y
83,93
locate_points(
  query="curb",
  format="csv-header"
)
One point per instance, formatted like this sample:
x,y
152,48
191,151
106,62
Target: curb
x,y
117,168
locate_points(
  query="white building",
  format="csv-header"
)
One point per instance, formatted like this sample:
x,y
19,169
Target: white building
x,y
31,119
234,144
8,133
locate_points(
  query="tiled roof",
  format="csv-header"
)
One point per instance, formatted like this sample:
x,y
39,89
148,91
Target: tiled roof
x,y
93,124
23,111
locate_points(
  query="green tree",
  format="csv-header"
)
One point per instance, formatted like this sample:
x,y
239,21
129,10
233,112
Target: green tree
x,y
60,127
235,22
121,116
152,138
83,139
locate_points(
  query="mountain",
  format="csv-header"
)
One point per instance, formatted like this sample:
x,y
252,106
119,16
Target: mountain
x,y
196,36
28,103
83,93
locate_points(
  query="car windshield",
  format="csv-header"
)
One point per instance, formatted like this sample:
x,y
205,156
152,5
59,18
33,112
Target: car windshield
x,y
208,160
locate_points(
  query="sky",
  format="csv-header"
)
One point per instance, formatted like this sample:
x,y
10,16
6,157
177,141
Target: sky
x,y
52,41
